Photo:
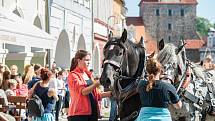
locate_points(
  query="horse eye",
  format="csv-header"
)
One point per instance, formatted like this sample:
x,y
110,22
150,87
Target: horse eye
x,y
120,53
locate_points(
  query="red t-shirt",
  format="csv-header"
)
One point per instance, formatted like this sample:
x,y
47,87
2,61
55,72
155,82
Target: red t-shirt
x,y
79,104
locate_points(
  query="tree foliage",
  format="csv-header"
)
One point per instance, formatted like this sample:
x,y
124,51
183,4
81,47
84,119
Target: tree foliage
x,y
203,25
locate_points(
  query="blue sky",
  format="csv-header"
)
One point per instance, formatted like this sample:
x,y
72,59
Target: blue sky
x,y
205,8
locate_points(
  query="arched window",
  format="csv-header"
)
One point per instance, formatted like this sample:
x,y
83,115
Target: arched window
x,y
18,12
37,22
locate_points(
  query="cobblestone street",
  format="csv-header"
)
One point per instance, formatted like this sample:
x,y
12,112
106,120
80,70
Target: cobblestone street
x,y
104,112
64,118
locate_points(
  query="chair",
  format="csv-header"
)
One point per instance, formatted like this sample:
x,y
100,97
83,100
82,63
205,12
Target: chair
x,y
2,105
19,103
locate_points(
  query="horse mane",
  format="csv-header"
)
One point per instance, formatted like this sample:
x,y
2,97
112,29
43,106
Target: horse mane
x,y
130,42
198,71
168,54
133,44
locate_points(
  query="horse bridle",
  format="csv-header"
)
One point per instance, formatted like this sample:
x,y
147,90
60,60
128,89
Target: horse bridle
x,y
113,62
130,89
166,73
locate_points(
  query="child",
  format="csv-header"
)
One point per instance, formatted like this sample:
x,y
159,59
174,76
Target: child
x,y
21,88
11,91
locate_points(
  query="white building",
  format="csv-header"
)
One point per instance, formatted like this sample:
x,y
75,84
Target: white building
x,y
71,25
23,39
102,12
210,48
23,23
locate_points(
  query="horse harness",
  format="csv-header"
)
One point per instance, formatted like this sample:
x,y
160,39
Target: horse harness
x,y
196,100
129,90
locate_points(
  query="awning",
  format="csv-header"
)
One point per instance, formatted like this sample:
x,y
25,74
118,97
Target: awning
x,y
17,31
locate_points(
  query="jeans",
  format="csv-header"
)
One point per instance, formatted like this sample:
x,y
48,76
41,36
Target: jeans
x,y
113,110
58,107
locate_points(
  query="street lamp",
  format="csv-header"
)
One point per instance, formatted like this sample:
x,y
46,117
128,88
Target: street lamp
x,y
108,23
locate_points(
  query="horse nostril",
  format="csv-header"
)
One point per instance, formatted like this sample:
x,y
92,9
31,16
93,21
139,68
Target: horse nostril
x,y
102,81
108,82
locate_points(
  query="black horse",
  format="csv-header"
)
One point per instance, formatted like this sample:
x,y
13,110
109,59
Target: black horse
x,y
122,69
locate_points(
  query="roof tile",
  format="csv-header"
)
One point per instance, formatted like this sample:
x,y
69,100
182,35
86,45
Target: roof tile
x,y
136,21
194,44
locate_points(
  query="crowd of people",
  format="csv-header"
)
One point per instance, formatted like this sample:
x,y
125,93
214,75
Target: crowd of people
x,y
49,84
77,93
55,87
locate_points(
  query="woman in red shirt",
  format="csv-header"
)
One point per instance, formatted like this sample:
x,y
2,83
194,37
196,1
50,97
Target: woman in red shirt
x,y
83,90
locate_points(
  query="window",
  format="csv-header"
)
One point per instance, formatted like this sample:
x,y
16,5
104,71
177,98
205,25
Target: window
x,y
87,3
170,12
157,12
210,42
213,42
169,26
182,12
169,38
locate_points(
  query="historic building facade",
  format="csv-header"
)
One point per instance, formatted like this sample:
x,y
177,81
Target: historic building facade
x,y
109,15
23,39
71,24
119,14
25,25
171,20
102,10
209,49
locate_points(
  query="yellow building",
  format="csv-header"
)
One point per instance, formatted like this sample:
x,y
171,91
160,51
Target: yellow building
x,y
118,17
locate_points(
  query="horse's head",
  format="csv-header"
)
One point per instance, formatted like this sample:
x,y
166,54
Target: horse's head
x,y
114,52
173,60
121,57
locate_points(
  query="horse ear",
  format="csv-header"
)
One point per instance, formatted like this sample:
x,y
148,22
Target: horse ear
x,y
161,44
142,42
180,48
201,63
124,36
179,70
110,34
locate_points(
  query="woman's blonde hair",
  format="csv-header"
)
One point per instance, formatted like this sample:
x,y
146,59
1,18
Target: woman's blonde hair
x,y
28,74
153,67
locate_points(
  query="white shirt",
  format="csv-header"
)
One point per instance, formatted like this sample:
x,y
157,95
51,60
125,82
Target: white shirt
x,y
53,83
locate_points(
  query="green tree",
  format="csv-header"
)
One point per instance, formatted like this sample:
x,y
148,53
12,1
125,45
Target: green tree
x,y
203,25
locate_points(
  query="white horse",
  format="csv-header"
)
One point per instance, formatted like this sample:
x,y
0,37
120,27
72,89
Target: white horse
x,y
195,86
